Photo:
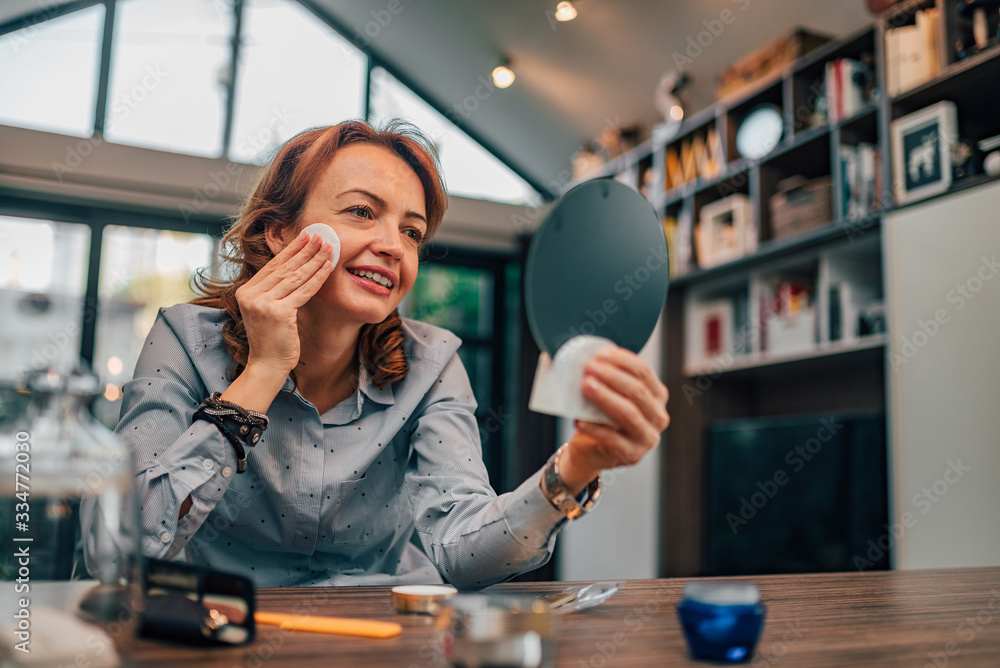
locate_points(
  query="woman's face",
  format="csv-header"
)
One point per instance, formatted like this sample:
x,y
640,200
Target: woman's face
x,y
374,201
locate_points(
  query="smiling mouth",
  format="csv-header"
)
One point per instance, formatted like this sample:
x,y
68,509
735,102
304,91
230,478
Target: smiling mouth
x,y
374,277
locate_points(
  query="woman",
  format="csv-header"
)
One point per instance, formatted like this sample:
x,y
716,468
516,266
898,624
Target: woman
x,y
370,446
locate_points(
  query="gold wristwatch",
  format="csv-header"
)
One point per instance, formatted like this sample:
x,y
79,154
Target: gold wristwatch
x,y
555,490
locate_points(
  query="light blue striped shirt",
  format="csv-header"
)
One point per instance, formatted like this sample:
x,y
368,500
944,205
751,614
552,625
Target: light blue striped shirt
x,y
387,487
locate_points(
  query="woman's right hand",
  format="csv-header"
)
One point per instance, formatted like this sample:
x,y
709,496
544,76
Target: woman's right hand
x,y
270,301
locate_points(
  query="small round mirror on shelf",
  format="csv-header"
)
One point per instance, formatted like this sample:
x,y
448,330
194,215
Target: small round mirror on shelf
x,y
760,132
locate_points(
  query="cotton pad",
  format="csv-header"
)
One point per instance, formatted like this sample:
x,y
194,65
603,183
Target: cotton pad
x,y
327,234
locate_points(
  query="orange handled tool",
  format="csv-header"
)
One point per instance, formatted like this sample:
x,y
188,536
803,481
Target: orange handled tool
x,y
338,625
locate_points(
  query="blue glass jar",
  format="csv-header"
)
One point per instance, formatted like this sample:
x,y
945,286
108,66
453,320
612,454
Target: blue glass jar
x,y
722,621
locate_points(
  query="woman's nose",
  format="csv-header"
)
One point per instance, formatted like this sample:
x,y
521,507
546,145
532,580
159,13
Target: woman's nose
x,y
388,241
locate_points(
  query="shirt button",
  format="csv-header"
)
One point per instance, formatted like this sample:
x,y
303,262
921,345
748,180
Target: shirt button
x,y
226,471
208,464
164,537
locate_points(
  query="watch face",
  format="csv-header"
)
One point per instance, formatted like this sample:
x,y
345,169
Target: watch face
x,y
760,132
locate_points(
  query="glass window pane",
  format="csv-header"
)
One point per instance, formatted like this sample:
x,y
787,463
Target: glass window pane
x,y
167,68
43,277
49,72
469,169
141,271
456,298
294,73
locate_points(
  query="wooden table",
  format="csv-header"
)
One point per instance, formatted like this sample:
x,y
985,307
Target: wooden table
x,y
907,618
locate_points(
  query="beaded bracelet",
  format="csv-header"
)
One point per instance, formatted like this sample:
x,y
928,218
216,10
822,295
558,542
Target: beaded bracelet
x,y
239,425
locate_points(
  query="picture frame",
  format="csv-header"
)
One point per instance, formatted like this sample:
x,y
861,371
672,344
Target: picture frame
x,y
921,152
725,231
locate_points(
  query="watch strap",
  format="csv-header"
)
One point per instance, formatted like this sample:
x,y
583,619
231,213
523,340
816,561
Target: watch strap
x,y
560,497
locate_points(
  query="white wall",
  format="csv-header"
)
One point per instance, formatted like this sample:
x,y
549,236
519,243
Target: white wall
x,y
944,379
619,539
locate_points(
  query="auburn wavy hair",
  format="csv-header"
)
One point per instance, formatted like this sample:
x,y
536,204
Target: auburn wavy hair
x,y
278,198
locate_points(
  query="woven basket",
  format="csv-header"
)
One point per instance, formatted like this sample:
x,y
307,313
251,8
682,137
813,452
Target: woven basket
x,y
801,205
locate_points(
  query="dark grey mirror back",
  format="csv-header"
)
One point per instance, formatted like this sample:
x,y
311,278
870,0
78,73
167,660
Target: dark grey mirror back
x,y
597,265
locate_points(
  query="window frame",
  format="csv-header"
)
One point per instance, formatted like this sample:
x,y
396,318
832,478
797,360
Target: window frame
x,y
374,60
97,218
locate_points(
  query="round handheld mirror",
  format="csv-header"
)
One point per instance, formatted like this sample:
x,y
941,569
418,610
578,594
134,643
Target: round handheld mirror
x,y
760,132
597,268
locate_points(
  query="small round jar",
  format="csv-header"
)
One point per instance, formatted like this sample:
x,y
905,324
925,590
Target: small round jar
x,y
721,620
496,630
421,599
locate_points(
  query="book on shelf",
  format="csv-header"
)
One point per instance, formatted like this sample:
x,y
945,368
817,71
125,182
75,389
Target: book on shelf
x,y
683,237
859,180
845,81
670,231
912,53
742,334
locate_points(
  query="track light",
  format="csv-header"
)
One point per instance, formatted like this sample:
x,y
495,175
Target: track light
x,y
503,76
565,11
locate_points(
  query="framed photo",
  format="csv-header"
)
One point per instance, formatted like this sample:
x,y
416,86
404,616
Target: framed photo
x,y
725,231
921,152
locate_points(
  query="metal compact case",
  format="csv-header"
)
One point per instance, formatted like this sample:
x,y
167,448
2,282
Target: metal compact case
x,y
496,630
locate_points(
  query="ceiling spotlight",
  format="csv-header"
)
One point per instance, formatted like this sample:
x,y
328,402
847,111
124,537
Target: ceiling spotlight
x,y
503,76
565,11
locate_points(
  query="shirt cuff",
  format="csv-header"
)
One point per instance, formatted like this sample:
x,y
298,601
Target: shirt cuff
x,y
191,467
530,517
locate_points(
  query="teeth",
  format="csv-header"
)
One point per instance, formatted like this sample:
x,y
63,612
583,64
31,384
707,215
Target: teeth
x,y
372,276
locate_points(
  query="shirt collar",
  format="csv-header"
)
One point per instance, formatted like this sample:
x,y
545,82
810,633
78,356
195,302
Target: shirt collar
x,y
380,395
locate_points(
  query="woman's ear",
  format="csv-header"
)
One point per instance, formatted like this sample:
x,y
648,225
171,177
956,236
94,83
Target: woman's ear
x,y
278,236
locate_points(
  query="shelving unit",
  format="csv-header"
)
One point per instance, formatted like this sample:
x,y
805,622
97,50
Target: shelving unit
x,y
839,363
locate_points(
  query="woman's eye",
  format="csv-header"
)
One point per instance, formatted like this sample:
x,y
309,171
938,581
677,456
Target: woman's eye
x,y
361,211
414,234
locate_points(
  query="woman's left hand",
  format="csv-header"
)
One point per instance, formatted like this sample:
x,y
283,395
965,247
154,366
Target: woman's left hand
x,y
622,385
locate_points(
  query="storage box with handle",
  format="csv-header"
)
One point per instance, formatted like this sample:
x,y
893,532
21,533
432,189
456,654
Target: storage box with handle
x,y
801,204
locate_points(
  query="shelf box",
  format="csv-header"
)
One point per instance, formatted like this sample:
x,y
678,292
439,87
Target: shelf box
x,y
767,61
726,231
801,204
